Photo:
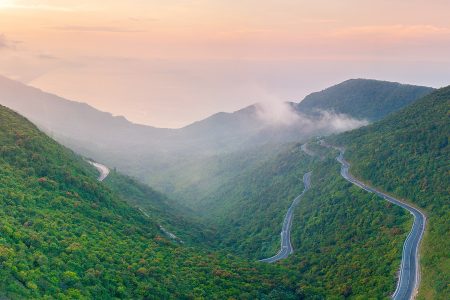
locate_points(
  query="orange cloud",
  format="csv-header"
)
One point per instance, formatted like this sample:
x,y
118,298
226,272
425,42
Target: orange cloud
x,y
392,31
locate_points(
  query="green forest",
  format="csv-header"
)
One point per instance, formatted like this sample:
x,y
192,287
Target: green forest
x,y
363,98
408,154
65,235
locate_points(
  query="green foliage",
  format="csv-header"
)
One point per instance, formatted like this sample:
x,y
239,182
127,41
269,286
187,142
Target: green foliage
x,y
65,235
407,154
173,216
347,242
248,211
363,98
193,180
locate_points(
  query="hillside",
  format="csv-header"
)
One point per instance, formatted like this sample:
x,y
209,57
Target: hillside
x,y
347,243
176,218
136,149
363,98
65,235
194,162
407,154
248,210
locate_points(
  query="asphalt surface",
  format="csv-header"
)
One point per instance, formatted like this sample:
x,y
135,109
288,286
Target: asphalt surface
x,y
286,246
102,169
409,276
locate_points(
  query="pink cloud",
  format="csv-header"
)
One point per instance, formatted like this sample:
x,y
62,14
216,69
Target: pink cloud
x,y
392,31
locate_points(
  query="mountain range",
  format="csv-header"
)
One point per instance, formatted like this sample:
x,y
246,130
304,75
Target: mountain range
x,y
156,155
66,235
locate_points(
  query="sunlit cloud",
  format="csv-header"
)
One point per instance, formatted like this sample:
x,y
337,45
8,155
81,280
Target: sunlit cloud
x,y
31,5
95,28
393,31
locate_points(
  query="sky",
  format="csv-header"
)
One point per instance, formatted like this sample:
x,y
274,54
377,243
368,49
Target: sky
x,y
168,63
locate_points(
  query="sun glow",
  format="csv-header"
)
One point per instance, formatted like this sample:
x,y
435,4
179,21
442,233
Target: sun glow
x,y
6,3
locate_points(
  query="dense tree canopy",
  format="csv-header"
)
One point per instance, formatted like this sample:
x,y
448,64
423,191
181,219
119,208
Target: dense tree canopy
x,y
408,155
65,235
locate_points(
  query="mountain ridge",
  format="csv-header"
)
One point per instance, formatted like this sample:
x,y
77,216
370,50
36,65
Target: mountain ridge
x,y
148,153
345,97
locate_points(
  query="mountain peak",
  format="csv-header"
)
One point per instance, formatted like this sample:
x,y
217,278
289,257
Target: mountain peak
x,y
363,98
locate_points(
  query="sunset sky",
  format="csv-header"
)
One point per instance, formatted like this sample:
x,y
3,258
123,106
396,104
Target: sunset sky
x,y
168,63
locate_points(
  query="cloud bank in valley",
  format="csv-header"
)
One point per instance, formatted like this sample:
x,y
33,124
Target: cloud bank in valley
x,y
283,114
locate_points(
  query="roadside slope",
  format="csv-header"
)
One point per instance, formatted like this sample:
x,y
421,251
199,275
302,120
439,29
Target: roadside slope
x,y
286,245
409,274
407,155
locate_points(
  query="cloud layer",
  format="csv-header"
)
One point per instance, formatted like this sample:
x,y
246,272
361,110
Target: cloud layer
x,y
283,114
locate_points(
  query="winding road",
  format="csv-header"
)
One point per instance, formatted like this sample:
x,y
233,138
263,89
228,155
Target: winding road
x,y
286,246
409,277
102,169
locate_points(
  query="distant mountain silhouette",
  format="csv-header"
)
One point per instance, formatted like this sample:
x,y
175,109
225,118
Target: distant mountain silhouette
x,y
146,151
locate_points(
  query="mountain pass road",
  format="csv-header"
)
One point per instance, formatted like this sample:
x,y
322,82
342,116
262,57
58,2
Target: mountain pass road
x,y
286,246
102,169
409,277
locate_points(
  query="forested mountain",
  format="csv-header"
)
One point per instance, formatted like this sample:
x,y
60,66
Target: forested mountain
x,y
248,210
172,215
155,155
363,98
348,242
66,235
408,154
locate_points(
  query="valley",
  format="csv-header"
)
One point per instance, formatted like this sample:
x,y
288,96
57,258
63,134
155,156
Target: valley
x,y
224,150
335,239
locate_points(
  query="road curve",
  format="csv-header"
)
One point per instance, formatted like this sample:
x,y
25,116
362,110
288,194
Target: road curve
x,y
409,277
286,246
102,169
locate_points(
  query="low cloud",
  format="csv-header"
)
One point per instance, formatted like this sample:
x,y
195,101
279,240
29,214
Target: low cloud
x,y
284,114
277,113
330,122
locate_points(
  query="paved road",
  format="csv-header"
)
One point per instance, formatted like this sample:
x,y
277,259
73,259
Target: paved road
x,y
409,277
286,246
102,169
